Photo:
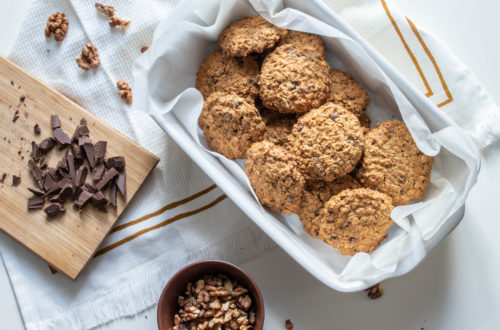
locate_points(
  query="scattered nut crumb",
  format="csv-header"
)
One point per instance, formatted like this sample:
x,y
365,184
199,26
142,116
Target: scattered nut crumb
x,y
125,91
113,19
144,48
89,57
288,324
58,25
375,291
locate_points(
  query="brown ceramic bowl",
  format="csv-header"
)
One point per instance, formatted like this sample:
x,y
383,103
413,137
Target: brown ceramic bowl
x,y
167,305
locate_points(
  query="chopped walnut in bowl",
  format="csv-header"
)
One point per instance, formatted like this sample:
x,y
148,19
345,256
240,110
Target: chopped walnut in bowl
x,y
211,294
57,24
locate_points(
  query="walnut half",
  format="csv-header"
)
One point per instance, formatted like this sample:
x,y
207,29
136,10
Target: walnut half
x,y
125,91
58,25
89,57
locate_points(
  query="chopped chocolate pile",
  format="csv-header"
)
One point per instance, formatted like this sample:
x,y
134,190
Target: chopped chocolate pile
x,y
68,179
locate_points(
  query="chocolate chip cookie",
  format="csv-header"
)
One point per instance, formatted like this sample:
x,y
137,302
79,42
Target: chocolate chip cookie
x,y
328,142
274,176
356,220
303,39
316,194
346,91
249,35
294,79
219,73
393,164
230,124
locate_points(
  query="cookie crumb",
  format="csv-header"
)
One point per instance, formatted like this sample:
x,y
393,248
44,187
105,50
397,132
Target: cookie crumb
x,y
288,324
375,291
125,91
89,57
144,48
57,24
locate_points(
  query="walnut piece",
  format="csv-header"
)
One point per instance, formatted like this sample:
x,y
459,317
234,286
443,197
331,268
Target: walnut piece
x,y
211,303
113,19
89,57
144,48
288,324
125,91
58,25
375,291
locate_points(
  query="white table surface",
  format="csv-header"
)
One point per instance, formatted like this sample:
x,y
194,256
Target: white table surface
x,y
457,287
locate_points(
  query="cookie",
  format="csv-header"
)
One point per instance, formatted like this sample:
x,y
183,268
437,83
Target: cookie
x,y
356,220
277,131
293,79
230,124
328,142
219,73
393,164
303,39
316,194
348,92
274,177
252,34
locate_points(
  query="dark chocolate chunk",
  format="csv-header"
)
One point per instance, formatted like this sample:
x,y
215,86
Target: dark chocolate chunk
x,y
2,179
90,188
36,191
16,180
83,121
48,183
55,122
35,202
98,172
100,149
71,167
84,139
89,153
22,98
47,144
61,137
121,183
98,200
37,129
63,163
76,192
117,163
81,176
36,172
76,151
106,178
112,194
35,151
65,193
54,209
81,130
43,162
83,199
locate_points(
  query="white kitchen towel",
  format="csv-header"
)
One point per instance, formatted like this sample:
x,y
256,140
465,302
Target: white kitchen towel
x,y
178,216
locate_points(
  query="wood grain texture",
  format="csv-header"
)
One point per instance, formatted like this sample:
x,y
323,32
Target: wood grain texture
x,y
67,242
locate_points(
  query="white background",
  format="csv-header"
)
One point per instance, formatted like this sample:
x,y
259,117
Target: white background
x,y
457,287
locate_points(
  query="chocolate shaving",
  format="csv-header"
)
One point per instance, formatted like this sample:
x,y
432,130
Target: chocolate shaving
x,y
46,145
55,122
54,210
35,202
76,151
16,180
83,199
36,172
121,183
35,151
61,137
36,191
98,172
16,116
71,166
100,149
112,195
89,153
106,178
37,129
81,176
4,176
98,200
117,163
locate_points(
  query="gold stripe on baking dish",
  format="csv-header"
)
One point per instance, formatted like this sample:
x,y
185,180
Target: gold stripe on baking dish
x,y
414,59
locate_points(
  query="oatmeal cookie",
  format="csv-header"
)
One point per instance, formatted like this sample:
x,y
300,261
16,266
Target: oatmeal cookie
x,y
218,73
356,220
277,131
346,91
328,142
274,176
252,34
316,194
303,39
293,79
230,124
393,164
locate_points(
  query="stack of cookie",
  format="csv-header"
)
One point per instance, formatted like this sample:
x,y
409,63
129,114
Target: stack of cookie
x,y
271,97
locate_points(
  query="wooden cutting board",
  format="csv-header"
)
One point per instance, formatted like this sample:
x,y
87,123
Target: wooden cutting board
x,y
67,242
